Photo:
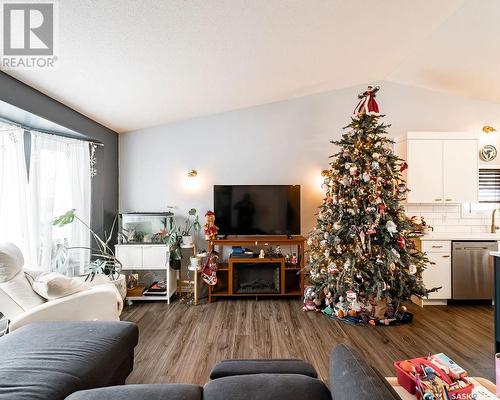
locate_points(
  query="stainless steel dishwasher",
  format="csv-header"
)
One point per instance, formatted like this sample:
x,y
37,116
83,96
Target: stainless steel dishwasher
x,y
472,270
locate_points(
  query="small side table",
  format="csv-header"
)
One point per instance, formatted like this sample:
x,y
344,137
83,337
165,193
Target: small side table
x,y
188,285
479,384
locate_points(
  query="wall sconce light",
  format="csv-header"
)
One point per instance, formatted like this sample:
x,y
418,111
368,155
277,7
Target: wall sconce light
x,y
192,173
488,129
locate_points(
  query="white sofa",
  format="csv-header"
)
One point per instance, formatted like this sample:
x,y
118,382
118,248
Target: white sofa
x,y
21,305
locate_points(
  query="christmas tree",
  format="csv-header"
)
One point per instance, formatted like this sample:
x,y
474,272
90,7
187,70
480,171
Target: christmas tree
x,y
362,256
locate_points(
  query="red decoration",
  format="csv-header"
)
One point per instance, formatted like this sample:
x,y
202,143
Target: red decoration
x,y
367,104
401,242
209,229
209,271
403,166
381,208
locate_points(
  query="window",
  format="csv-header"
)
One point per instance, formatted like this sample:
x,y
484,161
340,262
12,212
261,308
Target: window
x,y
58,180
489,185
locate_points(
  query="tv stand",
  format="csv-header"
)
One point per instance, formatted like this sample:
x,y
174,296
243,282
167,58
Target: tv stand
x,y
291,276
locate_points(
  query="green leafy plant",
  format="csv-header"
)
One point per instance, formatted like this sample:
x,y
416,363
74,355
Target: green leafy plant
x,y
192,223
104,261
174,235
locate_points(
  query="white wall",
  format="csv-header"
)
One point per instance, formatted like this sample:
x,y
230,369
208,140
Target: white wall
x,y
279,143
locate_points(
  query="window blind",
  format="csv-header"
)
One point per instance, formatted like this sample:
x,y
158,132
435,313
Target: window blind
x,y
489,185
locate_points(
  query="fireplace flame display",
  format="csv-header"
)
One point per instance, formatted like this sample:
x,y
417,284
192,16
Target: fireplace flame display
x,y
263,278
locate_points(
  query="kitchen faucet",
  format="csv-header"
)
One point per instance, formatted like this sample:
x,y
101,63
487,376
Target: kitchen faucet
x,y
494,227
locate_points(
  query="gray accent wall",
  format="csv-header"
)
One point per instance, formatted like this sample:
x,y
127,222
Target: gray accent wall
x,y
105,184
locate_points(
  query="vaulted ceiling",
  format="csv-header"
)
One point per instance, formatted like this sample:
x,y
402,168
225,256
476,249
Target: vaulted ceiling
x,y
131,64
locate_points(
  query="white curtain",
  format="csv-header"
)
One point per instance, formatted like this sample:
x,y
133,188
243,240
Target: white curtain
x,y
59,180
15,224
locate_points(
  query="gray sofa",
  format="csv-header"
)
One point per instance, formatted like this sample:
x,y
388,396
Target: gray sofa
x,y
351,378
51,360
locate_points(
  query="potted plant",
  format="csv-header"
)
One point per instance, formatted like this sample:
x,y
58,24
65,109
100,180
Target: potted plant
x,y
192,225
103,260
177,238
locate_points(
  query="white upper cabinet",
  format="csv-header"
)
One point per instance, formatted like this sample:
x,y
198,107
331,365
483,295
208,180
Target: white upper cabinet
x,y
425,165
442,166
460,171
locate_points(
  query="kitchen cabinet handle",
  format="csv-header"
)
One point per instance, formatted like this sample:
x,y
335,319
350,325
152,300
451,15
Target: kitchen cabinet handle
x,y
448,199
446,256
437,247
438,199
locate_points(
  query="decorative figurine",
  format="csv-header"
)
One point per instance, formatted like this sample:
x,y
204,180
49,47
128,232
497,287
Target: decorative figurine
x,y
209,272
311,300
209,229
262,253
277,251
367,103
294,259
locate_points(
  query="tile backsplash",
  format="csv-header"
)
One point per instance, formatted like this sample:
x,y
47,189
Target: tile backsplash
x,y
450,218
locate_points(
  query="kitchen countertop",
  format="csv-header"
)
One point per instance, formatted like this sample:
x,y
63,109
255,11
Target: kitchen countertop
x,y
495,253
460,236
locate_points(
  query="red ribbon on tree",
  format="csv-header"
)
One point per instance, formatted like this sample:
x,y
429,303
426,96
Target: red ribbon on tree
x,y
367,104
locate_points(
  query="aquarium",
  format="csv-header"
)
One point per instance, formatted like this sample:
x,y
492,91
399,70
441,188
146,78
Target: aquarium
x,y
137,228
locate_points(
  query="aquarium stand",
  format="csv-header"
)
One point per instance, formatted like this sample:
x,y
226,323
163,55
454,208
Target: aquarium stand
x,y
154,258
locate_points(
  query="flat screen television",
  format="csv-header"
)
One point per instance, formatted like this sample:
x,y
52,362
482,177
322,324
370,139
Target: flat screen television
x,y
257,209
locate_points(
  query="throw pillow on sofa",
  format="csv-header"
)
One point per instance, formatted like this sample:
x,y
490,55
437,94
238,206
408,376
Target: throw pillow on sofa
x,y
53,285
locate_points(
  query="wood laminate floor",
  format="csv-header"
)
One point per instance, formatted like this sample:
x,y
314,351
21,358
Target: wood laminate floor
x,y
181,343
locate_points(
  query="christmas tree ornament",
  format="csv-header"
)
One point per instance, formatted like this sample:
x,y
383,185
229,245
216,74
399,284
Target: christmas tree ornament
x,y
391,227
412,269
381,209
395,252
362,238
332,269
375,165
401,242
366,177
353,170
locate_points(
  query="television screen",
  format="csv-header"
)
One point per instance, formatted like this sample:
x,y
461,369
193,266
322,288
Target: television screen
x,y
257,209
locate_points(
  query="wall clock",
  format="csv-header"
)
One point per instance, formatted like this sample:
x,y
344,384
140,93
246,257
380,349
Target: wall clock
x,y
488,152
